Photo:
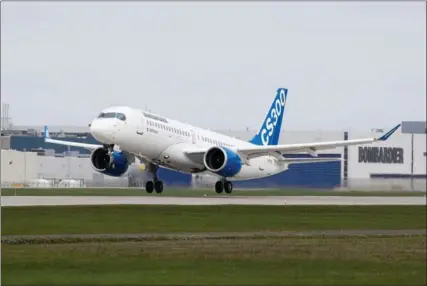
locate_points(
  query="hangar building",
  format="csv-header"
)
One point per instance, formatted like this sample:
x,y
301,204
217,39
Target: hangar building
x,y
399,163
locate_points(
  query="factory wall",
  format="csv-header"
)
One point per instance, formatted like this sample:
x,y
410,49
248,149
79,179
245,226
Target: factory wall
x,y
4,142
321,175
18,167
387,159
326,175
24,167
365,168
65,167
80,168
387,165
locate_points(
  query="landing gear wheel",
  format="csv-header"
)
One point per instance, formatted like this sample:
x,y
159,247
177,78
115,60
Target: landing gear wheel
x,y
228,187
158,186
219,187
149,187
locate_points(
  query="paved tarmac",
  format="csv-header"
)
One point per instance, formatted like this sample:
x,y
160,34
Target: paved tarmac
x,y
235,200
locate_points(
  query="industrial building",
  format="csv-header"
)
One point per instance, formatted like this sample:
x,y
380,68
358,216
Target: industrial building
x,y
399,163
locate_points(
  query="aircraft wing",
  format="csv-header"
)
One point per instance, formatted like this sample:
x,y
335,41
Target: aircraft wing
x,y
88,146
311,148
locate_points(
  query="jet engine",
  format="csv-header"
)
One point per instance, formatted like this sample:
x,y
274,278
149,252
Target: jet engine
x,y
222,161
113,163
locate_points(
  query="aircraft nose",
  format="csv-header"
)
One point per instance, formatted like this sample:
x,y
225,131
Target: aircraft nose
x,y
101,131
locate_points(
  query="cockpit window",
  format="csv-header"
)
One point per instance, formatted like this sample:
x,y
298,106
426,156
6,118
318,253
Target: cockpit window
x,y
121,116
107,115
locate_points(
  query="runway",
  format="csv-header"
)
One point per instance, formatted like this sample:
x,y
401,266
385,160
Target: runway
x,y
160,200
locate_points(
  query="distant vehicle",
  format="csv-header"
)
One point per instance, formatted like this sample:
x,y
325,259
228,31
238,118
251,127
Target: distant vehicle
x,y
127,133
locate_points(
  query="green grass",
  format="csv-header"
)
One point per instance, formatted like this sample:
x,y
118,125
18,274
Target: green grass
x,y
291,261
197,192
231,218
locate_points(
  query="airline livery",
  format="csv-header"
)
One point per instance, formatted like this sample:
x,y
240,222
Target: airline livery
x,y
127,133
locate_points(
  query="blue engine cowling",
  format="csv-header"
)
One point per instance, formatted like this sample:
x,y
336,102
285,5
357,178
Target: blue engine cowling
x,y
222,161
114,165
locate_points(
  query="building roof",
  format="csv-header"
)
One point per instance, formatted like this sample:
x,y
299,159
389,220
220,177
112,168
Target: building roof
x,y
52,128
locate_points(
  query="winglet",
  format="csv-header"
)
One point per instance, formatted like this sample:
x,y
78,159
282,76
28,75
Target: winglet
x,y
46,133
388,134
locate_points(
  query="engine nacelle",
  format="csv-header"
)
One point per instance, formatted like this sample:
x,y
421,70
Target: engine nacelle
x,y
222,161
114,165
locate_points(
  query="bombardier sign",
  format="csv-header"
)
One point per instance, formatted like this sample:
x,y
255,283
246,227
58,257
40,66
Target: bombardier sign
x,y
383,155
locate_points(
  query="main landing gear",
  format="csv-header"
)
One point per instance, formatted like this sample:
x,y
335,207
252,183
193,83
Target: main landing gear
x,y
155,184
223,185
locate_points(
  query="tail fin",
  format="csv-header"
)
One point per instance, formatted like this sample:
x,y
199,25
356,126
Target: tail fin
x,y
269,132
46,133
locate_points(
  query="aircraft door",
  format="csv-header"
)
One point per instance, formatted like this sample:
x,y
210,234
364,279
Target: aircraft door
x,y
193,137
141,126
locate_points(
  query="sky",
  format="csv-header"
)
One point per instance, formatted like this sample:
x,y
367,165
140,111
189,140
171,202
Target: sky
x,y
348,65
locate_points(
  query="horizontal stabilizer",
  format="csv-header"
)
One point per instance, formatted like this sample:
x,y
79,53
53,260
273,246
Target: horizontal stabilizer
x,y
88,146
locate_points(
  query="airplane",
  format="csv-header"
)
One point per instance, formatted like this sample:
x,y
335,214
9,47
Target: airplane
x,y
127,134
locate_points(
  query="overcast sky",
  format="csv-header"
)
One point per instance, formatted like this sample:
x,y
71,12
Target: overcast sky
x,y
351,65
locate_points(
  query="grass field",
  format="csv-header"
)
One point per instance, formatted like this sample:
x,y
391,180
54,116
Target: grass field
x,y
197,192
194,261
231,218
291,261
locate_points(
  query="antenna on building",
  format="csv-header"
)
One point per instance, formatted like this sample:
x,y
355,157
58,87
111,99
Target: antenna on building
x,y
5,119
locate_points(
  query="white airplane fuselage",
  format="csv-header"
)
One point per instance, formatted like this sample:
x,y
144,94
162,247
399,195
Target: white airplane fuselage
x,y
162,140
